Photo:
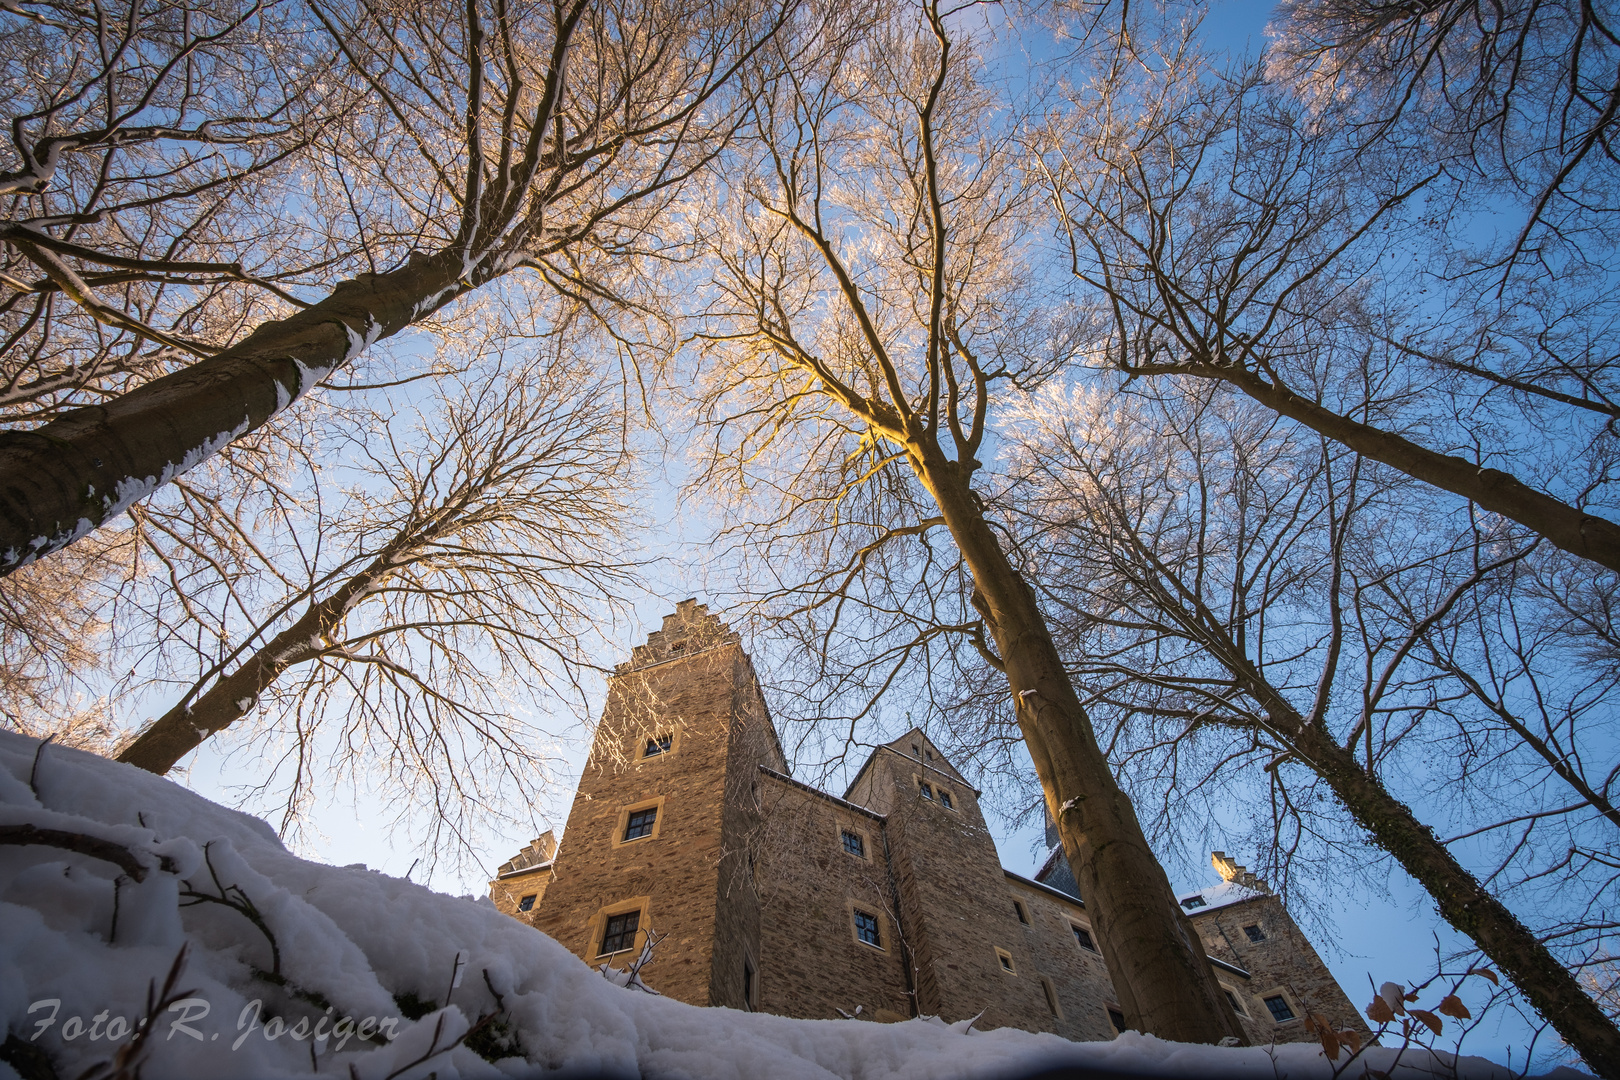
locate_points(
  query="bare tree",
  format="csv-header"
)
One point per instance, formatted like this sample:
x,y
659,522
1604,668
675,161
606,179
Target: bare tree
x,y
1238,236
473,547
875,287
1243,605
1522,97
492,139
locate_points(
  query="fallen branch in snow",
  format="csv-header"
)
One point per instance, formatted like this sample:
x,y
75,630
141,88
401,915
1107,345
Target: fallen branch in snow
x,y
33,773
79,843
630,978
243,905
126,1063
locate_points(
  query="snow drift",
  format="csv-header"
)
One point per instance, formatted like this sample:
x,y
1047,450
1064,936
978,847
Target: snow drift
x,y
144,926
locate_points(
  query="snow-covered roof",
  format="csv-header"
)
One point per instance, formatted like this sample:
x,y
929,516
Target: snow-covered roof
x,y
1217,896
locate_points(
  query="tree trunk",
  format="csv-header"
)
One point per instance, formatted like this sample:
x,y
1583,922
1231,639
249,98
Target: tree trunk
x,y
1164,980
60,481
183,728
1547,984
1576,531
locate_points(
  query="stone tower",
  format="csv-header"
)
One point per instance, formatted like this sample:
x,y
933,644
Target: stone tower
x,y
656,840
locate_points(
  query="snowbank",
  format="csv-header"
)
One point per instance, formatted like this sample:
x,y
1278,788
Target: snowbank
x,y
288,966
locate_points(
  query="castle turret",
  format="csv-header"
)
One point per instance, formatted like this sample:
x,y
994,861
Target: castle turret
x,y
655,845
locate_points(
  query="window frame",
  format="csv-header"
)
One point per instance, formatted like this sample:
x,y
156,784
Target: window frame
x,y
855,915
1236,999
1052,1001
1193,903
1254,933
845,835
526,903
1005,961
1077,930
946,800
1021,910
655,736
621,826
596,926
633,930
1278,993
925,789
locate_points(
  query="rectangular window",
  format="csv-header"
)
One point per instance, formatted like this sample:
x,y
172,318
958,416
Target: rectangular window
x,y
1231,997
1280,1011
658,744
1023,916
748,984
1255,933
527,903
854,844
1006,961
1051,996
927,792
1116,1018
620,933
1083,936
640,823
866,928
945,799
1193,902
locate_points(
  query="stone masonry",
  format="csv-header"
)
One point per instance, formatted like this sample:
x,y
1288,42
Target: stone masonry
x,y
761,892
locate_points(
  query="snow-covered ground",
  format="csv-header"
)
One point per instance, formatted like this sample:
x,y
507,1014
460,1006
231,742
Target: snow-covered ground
x,y
290,968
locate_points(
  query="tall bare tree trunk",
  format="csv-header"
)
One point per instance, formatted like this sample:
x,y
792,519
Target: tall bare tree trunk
x,y
1165,983
60,481
1572,529
183,728
1461,900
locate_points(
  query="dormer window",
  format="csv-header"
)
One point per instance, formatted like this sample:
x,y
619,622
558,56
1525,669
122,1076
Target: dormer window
x,y
916,751
929,754
658,744
1193,902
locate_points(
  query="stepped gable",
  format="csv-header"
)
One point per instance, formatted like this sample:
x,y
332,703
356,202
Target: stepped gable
x,y
537,853
691,629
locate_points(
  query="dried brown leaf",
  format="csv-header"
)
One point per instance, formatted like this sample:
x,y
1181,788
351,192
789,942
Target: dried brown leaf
x,y
1451,1005
1434,1023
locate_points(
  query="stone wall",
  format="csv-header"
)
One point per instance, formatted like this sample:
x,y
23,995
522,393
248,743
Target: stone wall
x,y
809,889
956,908
1049,948
1282,963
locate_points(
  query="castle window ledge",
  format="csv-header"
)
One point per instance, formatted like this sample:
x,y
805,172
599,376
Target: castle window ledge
x,y
1233,968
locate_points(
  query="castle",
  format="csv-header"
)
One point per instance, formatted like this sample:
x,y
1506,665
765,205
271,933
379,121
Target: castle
x,y
768,894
